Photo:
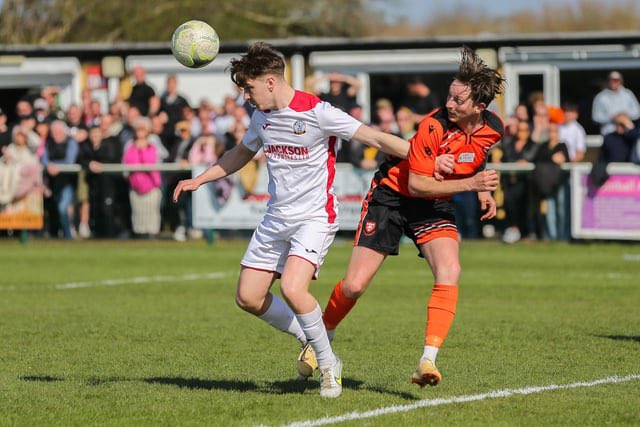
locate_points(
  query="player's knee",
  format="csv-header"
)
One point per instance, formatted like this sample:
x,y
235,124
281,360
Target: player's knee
x,y
247,303
292,291
448,272
354,288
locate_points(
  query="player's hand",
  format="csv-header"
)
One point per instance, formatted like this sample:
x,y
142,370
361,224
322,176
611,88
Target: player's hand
x,y
486,180
444,166
487,205
184,185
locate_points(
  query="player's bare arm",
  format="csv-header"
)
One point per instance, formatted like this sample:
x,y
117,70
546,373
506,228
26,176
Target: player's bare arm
x,y
429,187
385,142
229,163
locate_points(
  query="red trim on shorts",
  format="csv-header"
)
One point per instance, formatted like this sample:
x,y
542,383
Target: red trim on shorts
x,y
331,169
259,269
301,257
315,266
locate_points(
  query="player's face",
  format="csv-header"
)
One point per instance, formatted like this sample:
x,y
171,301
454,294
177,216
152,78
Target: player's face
x,y
460,106
259,92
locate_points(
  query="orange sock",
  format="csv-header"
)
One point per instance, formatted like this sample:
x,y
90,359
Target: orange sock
x,y
440,313
337,307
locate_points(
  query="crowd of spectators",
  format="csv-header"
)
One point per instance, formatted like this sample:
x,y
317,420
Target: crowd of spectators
x,y
151,128
537,205
146,129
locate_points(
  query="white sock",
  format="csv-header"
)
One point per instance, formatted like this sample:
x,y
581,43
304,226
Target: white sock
x,y
430,352
280,316
330,334
316,333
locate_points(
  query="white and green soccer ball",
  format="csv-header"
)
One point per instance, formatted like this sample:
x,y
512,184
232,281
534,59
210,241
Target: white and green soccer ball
x,y
195,44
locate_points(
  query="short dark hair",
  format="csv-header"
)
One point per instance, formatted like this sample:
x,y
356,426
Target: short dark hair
x,y
485,82
260,59
570,106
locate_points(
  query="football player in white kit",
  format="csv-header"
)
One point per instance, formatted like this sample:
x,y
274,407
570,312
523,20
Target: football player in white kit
x,y
298,134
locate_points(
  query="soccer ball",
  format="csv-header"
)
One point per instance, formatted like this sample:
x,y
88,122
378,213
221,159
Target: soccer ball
x,y
195,44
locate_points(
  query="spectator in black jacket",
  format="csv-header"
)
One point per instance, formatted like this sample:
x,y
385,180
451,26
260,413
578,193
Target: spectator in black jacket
x,y
141,91
102,186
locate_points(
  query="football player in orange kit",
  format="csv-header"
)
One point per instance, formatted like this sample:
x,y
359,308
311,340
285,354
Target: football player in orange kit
x,y
408,197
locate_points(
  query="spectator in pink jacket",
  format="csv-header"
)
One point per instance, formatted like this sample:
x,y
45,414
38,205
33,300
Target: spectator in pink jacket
x,y
144,193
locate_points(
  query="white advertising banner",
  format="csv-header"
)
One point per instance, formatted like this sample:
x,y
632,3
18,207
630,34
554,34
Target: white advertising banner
x,y
215,207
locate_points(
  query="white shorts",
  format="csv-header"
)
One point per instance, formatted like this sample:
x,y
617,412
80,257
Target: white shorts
x,y
275,240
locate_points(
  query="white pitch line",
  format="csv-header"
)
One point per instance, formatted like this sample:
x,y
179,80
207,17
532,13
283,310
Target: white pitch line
x,y
138,280
130,280
458,399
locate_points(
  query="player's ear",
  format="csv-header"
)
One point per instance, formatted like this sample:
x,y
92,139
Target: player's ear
x,y
480,107
271,82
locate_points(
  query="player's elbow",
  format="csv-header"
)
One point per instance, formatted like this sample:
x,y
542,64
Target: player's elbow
x,y
418,187
414,191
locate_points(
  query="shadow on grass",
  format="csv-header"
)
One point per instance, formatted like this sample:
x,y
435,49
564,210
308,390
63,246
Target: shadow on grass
x,y
635,338
202,384
41,378
274,387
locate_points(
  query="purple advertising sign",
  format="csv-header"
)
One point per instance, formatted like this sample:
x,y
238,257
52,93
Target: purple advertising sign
x,y
611,211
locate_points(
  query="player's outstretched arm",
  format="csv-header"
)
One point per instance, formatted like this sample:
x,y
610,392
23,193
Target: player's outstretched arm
x,y
229,163
429,187
386,142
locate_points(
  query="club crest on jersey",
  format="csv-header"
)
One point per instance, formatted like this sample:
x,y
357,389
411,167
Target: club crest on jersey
x,y
299,127
466,157
369,227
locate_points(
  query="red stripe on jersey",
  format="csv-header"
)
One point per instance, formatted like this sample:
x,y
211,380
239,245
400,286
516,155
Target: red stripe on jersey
x,y
303,101
331,169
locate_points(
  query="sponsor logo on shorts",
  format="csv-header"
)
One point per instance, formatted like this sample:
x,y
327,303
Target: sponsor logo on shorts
x,y
466,157
299,127
369,228
311,251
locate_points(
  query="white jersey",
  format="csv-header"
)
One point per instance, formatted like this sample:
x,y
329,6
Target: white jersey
x,y
299,142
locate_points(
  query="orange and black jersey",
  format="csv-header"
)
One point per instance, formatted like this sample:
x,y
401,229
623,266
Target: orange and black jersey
x,y
436,136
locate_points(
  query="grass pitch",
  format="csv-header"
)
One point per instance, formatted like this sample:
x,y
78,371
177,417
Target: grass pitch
x,y
147,333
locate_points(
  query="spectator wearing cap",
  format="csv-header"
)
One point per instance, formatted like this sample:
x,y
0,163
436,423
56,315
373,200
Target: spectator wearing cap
x,y
42,111
613,100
